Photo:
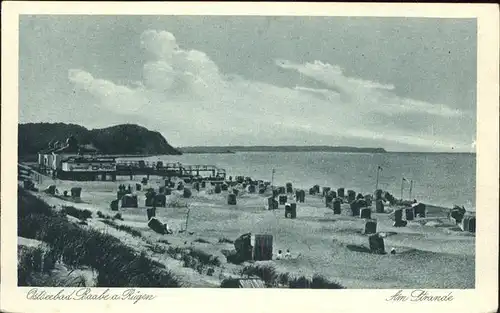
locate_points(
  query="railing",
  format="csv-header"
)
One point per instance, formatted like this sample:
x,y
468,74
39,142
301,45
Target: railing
x,y
175,167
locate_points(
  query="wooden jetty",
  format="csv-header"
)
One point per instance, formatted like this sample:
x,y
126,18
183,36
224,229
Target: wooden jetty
x,y
168,169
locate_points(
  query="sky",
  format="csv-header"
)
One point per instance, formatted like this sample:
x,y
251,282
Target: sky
x,y
403,84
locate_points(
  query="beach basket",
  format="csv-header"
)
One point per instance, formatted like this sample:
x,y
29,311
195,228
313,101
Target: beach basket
x,y
218,188
370,227
351,195
419,209
150,200
337,209
340,192
151,212
376,244
272,204
160,200
289,188
156,225
378,194
290,210
472,224
368,199
312,191
251,188
398,215
243,246
379,206
263,248
325,191
129,201
114,205
365,213
282,199
224,187
328,199
316,188
355,208
409,214
231,199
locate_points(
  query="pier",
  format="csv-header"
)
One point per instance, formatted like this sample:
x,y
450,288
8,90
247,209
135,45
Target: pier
x,y
159,168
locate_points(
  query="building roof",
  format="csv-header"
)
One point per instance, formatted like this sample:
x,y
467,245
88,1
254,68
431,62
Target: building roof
x,y
82,159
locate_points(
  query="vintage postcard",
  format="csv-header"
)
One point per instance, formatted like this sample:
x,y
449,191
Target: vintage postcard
x,y
157,155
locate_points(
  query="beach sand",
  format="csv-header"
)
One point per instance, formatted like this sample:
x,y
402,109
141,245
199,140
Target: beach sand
x,y
431,252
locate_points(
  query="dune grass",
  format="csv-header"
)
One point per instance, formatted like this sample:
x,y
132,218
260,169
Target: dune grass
x,y
117,264
33,260
272,278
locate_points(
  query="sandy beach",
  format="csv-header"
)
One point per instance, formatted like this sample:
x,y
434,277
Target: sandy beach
x,y
431,252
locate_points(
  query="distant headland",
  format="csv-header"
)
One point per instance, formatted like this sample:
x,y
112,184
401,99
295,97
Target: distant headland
x,y
234,149
124,139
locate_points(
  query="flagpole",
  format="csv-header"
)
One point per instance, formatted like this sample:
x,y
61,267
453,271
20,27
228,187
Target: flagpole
x,y
402,185
411,187
272,181
378,170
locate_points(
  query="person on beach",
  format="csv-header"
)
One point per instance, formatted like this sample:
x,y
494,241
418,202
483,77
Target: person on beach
x,y
288,255
279,256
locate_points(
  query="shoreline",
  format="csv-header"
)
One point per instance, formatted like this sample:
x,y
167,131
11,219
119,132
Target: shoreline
x,y
435,206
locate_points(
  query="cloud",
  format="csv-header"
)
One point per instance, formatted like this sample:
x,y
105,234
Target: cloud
x,y
364,93
184,94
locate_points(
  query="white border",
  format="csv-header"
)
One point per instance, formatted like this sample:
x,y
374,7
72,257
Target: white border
x,y
483,299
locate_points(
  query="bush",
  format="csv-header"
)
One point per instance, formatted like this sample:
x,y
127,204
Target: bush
x,y
320,282
157,249
204,258
299,282
78,213
201,240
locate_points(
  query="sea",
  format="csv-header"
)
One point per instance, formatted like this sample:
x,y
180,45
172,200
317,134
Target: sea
x,y
442,179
